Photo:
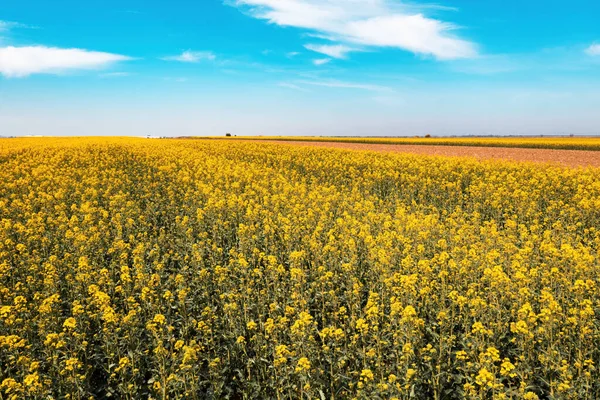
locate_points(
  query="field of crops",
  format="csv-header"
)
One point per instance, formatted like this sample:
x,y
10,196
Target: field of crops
x,y
565,143
190,269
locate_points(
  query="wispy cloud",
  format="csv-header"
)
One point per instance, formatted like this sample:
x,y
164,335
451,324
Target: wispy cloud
x,y
175,79
346,85
321,61
8,25
437,7
335,51
374,23
192,56
18,62
489,65
544,60
593,50
292,54
292,86
300,85
115,74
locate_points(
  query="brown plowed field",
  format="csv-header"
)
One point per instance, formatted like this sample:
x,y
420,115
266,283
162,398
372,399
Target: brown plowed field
x,y
570,158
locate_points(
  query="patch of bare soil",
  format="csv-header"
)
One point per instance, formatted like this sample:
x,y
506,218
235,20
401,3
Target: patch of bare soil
x,y
569,158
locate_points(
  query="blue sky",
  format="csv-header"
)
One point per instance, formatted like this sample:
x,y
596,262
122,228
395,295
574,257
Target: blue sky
x,y
299,67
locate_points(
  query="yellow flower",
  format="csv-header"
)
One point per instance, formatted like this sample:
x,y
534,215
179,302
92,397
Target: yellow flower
x,y
214,363
506,368
304,322
479,328
469,388
493,354
362,326
409,313
303,365
485,378
70,323
190,355
159,319
123,363
10,386
366,375
563,386
72,364
282,351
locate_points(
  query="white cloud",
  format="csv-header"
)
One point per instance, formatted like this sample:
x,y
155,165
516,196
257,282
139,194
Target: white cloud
x,y
24,61
321,61
292,54
335,51
348,85
410,32
192,56
593,50
376,23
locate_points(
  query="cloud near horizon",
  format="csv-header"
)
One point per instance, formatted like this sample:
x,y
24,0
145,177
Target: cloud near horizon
x,y
346,85
376,23
292,86
19,62
192,56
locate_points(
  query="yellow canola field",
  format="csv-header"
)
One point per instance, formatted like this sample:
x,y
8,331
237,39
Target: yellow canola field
x,y
567,143
172,269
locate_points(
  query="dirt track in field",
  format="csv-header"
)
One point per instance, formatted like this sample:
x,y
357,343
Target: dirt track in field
x,y
570,158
